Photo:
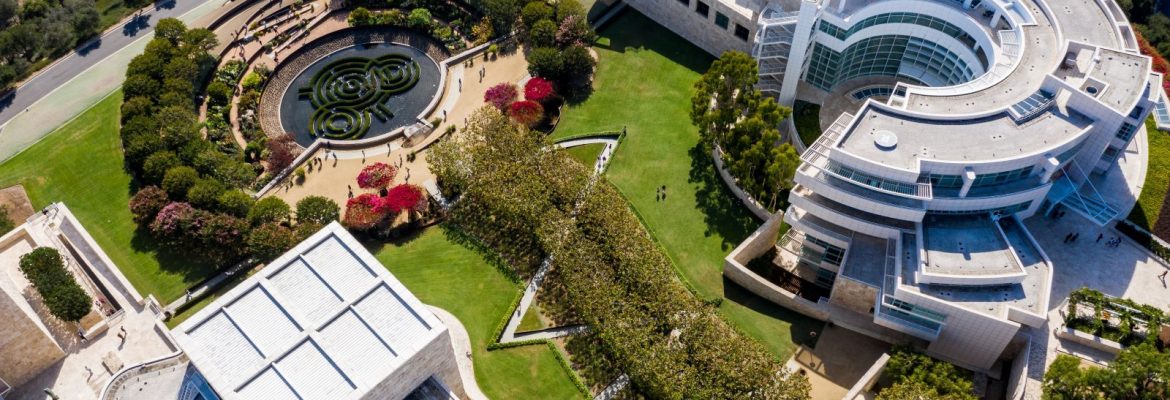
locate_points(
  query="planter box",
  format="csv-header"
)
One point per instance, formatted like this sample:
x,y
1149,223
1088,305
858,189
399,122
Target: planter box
x,y
1090,340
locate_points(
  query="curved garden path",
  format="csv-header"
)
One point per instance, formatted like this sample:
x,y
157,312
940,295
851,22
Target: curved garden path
x,y
461,343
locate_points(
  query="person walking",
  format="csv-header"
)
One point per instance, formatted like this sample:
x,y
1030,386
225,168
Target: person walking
x,y
1099,236
1163,275
1067,237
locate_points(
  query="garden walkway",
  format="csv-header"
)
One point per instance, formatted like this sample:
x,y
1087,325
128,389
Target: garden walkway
x,y
510,334
461,345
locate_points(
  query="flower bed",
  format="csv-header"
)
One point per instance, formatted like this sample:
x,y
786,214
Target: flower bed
x,y
1120,320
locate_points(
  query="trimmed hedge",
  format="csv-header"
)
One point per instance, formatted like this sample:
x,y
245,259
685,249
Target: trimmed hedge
x,y
65,299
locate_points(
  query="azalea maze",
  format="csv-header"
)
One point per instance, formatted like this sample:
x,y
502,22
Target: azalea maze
x,y
348,93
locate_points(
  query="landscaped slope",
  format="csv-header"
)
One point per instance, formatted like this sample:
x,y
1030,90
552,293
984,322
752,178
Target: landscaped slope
x,y
80,164
699,222
454,278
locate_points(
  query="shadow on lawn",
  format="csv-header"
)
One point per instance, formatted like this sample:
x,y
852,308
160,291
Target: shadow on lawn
x,y
722,211
632,31
802,329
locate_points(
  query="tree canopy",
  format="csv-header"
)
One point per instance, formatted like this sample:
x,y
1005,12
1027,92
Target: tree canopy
x,y
1139,372
527,203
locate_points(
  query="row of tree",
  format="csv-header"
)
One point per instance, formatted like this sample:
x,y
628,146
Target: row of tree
x,y
37,30
192,195
732,114
914,375
527,203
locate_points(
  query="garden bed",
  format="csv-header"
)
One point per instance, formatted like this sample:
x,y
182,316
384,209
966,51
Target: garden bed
x,y
1118,320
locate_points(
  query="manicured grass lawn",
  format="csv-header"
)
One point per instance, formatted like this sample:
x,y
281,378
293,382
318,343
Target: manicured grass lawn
x,y
1147,213
700,221
807,117
449,276
531,320
587,154
80,164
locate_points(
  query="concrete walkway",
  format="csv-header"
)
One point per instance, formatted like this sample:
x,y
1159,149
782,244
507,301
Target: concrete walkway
x,y
62,103
510,334
461,343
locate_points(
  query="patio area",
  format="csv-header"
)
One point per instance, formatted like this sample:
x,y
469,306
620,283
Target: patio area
x,y
88,364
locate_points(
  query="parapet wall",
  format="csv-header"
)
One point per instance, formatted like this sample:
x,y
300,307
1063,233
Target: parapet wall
x,y
755,245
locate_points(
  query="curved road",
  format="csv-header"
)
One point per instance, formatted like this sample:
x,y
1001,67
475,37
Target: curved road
x,y
87,55
80,79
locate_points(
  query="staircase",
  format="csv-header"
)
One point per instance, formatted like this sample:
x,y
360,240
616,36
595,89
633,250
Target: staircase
x,y
1086,201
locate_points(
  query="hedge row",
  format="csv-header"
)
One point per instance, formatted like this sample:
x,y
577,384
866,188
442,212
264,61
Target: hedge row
x,y
45,268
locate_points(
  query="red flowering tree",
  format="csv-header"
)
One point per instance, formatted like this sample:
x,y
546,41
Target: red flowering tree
x,y
538,89
526,112
364,211
501,95
404,197
376,176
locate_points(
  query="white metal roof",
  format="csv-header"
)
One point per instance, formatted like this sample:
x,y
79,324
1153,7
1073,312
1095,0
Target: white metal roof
x,y
324,321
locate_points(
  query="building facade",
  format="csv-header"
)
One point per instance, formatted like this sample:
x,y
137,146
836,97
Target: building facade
x,y
957,119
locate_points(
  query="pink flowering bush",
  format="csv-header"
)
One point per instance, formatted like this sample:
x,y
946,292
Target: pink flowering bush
x,y
526,112
376,176
501,95
404,197
174,222
364,211
538,89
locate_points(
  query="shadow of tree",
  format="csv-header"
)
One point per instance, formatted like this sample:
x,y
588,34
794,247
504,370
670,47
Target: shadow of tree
x,y
722,212
803,330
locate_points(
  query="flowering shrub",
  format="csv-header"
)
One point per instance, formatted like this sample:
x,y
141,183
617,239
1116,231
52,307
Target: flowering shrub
x,y
146,204
501,95
404,197
376,176
538,89
174,222
364,211
526,112
220,236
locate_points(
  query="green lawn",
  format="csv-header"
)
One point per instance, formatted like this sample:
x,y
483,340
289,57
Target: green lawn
x,y
807,120
586,154
454,278
80,164
531,320
1152,201
699,222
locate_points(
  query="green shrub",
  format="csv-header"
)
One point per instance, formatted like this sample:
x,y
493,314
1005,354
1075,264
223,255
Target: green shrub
x,y
235,202
577,64
178,180
219,93
535,11
359,17
6,224
156,166
269,210
252,81
419,18
545,62
910,367
318,210
45,269
270,241
205,194
542,34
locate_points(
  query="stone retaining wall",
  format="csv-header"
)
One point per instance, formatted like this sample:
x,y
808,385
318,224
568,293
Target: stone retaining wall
x,y
287,71
758,243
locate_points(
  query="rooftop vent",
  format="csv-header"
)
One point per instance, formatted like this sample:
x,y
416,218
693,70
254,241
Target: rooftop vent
x,y
885,140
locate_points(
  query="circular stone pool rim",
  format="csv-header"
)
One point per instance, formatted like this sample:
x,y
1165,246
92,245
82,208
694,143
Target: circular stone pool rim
x,y
371,136
375,36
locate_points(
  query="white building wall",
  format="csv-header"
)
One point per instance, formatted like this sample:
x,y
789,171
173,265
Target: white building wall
x,y
969,338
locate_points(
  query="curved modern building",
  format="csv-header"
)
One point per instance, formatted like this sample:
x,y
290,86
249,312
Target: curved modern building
x,y
946,123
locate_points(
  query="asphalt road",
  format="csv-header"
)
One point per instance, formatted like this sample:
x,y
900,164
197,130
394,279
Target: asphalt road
x,y
90,54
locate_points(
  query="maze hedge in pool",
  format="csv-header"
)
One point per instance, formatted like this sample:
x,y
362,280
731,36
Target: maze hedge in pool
x,y
349,92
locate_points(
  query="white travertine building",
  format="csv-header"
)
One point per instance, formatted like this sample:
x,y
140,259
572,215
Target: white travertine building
x,y
324,321
945,124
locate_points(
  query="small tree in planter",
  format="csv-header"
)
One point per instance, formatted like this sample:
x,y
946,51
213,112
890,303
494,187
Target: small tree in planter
x,y
539,90
364,211
526,112
376,176
501,95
